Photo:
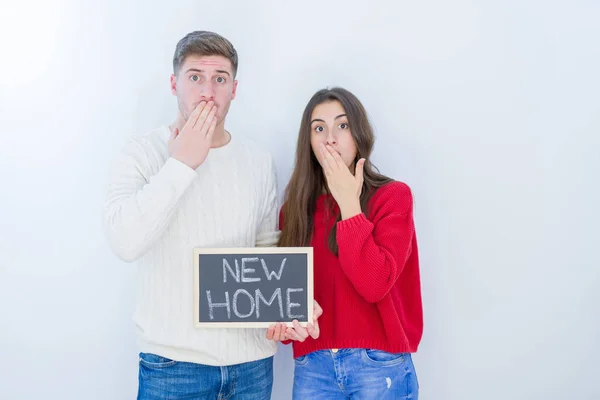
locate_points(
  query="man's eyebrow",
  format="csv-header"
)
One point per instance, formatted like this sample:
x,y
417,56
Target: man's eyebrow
x,y
220,71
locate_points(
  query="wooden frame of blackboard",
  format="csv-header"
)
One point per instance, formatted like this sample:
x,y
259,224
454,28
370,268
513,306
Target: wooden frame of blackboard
x,y
252,250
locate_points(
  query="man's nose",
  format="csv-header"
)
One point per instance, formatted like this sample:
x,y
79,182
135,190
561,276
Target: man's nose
x,y
208,92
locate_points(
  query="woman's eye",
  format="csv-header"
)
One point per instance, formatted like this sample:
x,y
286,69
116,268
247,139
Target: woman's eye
x,y
220,79
319,129
344,125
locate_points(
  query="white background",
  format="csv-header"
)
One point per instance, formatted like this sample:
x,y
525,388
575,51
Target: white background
x,y
489,110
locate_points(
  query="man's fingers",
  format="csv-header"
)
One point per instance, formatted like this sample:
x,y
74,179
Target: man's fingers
x,y
203,124
211,129
193,119
203,116
209,118
282,334
271,332
174,134
277,332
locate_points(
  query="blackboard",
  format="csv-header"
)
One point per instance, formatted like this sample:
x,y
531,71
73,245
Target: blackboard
x,y
252,287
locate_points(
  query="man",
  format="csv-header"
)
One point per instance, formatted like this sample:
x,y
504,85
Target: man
x,y
193,184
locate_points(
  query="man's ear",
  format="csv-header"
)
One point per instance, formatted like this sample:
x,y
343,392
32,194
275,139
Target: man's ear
x,y
233,92
174,84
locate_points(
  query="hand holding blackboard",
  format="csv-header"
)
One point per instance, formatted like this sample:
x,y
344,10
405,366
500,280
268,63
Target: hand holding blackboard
x,y
280,332
253,287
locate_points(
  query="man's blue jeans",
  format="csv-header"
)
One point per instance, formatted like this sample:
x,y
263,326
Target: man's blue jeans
x,y
161,379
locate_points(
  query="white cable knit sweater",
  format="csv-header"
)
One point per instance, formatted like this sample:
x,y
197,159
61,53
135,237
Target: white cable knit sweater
x,y
158,209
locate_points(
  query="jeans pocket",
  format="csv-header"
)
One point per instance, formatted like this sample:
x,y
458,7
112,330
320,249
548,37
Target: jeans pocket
x,y
382,358
155,361
302,360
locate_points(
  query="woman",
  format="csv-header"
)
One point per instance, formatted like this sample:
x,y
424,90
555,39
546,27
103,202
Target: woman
x,y
366,268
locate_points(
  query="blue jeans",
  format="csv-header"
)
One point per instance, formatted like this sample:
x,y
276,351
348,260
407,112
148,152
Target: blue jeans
x,y
355,374
162,378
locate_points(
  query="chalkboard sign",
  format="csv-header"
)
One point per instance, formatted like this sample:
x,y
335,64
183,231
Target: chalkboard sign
x,y
253,287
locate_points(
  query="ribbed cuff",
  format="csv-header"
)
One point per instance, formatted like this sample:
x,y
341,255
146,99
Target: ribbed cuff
x,y
352,223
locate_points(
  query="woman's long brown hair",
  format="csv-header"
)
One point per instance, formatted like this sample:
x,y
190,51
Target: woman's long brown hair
x,y
308,182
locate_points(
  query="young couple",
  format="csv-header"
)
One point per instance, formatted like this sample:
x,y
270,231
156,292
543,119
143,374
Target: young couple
x,y
176,188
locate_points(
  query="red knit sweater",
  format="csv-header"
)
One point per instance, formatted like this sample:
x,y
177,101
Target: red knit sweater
x,y
371,292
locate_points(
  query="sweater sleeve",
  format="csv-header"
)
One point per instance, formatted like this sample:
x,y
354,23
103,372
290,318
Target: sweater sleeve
x,y
373,253
139,205
268,234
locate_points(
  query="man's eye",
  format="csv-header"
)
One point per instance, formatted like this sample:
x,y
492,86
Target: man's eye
x,y
194,78
220,79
